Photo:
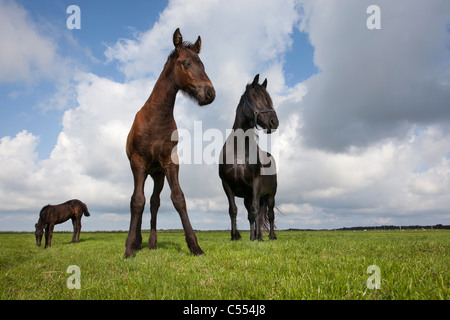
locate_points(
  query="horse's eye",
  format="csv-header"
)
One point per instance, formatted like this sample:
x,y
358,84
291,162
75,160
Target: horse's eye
x,y
186,64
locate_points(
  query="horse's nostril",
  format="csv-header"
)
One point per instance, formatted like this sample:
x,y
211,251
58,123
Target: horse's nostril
x,y
272,122
210,93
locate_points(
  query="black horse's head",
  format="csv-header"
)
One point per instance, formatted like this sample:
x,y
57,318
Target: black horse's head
x,y
257,108
40,225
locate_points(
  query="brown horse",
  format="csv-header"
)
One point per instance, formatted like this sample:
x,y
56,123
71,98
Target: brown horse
x,y
51,215
247,171
150,147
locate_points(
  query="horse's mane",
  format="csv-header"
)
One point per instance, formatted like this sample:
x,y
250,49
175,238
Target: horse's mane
x,y
45,207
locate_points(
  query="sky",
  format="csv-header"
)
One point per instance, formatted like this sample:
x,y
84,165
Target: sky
x,y
364,112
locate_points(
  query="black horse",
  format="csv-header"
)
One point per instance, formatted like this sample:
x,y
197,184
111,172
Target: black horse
x,y
247,171
51,215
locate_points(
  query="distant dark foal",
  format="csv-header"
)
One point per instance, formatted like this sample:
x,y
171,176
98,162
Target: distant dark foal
x,y
51,215
151,148
247,171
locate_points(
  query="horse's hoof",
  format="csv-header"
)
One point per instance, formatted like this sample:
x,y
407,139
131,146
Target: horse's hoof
x,y
137,246
197,252
128,254
236,237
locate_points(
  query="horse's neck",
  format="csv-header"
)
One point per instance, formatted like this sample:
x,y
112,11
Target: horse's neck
x,y
162,99
41,223
240,121
243,134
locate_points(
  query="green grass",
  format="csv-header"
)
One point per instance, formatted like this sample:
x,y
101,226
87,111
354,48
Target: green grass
x,y
299,265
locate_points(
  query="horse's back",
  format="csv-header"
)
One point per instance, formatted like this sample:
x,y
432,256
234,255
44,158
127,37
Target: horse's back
x,y
62,212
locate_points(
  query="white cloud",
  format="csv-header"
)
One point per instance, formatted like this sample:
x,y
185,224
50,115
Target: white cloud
x,y
383,176
18,162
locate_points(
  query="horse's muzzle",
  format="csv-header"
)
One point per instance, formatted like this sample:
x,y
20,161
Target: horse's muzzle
x,y
207,95
273,123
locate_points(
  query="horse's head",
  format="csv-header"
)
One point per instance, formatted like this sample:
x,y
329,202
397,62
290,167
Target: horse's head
x,y
38,233
257,107
189,71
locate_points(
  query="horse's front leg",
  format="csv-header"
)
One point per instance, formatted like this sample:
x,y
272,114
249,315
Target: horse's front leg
x,y
232,210
48,235
179,203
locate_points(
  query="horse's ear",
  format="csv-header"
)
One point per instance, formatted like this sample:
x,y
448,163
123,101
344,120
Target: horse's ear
x,y
198,45
256,80
264,84
177,38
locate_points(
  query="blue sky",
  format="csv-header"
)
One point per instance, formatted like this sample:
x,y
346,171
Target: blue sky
x,y
364,114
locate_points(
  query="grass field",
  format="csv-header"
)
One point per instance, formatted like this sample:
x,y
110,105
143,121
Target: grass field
x,y
299,265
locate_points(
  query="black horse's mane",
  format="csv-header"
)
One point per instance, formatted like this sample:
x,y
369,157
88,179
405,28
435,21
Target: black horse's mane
x,y
259,90
45,207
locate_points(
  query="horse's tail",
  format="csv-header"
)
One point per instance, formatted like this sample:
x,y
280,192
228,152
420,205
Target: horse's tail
x,y
85,209
264,214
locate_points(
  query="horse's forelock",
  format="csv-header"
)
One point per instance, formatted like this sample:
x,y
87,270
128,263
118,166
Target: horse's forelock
x,y
258,90
185,45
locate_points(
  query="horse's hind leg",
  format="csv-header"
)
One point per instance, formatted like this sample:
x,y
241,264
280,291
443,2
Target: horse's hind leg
x,y
271,205
179,203
75,229
235,235
158,184
78,229
137,203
